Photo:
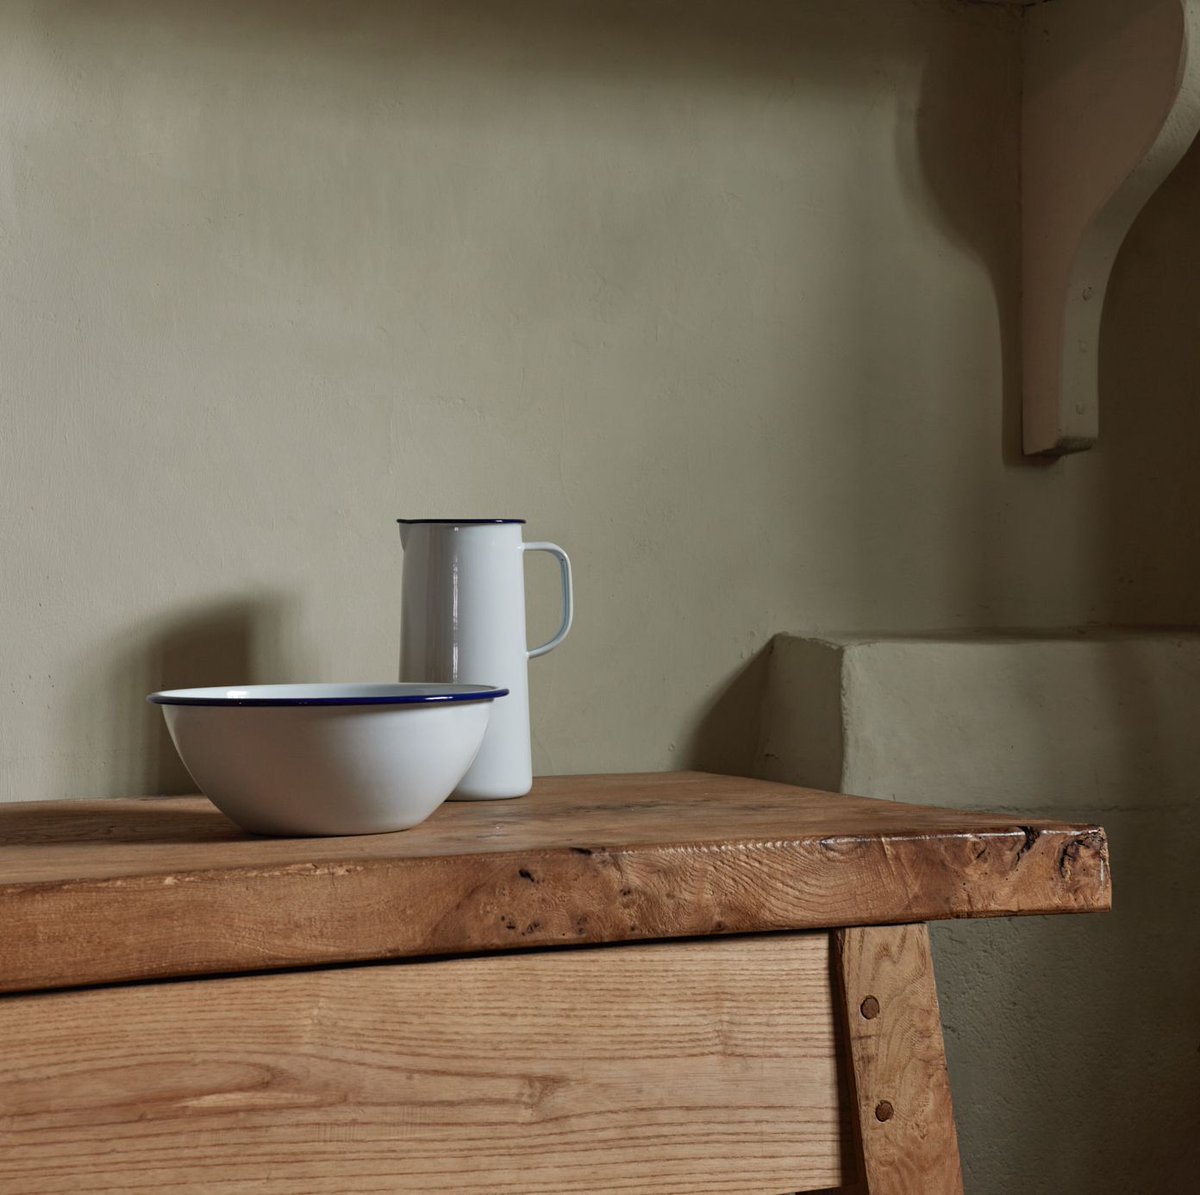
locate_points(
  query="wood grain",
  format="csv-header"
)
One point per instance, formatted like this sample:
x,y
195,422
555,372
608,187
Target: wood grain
x,y
901,1089
102,891
699,1066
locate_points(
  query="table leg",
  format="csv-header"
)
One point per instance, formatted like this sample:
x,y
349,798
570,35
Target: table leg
x,y
900,1089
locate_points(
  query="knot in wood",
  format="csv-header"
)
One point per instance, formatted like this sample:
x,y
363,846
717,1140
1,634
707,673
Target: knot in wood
x,y
869,1008
884,1110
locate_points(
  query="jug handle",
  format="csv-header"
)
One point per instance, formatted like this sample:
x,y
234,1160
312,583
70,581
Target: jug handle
x,y
568,598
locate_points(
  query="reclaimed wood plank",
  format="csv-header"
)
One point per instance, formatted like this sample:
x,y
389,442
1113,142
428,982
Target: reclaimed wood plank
x,y
104,891
906,1138
699,1066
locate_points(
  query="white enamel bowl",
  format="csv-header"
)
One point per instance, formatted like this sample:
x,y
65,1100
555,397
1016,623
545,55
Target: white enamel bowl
x,y
328,759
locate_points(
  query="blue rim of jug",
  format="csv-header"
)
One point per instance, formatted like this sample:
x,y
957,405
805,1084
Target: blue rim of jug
x,y
460,522
181,697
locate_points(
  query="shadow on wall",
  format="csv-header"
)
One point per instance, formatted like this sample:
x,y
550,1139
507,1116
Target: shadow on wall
x,y
234,642
1149,552
725,739
957,159
1103,1012
1146,532
578,42
966,156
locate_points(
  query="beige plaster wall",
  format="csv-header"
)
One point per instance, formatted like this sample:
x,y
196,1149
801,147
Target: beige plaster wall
x,y
1071,1041
707,292
720,296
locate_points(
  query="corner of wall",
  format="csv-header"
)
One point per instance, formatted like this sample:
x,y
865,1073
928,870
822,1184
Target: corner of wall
x,y
801,738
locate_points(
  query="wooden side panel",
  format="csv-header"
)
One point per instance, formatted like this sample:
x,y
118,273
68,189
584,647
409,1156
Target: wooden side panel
x,y
700,1067
909,1145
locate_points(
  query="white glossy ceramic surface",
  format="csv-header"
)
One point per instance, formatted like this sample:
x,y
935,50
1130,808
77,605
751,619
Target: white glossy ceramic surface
x,y
327,759
462,617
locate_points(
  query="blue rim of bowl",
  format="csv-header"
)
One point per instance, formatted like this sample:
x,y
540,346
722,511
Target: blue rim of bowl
x,y
459,522
180,697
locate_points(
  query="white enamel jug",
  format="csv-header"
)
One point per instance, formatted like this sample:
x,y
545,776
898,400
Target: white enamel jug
x,y
462,619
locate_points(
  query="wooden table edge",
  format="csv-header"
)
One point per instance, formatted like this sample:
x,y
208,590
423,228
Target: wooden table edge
x,y
365,911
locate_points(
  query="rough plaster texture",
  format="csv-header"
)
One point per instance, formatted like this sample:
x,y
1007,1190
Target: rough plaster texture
x,y
1073,1042
720,296
714,295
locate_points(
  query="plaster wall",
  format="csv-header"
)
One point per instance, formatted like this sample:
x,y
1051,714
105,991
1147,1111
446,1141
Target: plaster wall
x,y
721,297
1079,1030
718,296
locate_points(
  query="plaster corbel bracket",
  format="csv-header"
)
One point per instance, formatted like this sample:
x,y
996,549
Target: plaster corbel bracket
x,y
1111,103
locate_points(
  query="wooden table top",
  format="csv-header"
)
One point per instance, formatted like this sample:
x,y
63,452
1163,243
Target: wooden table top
x,y
103,891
